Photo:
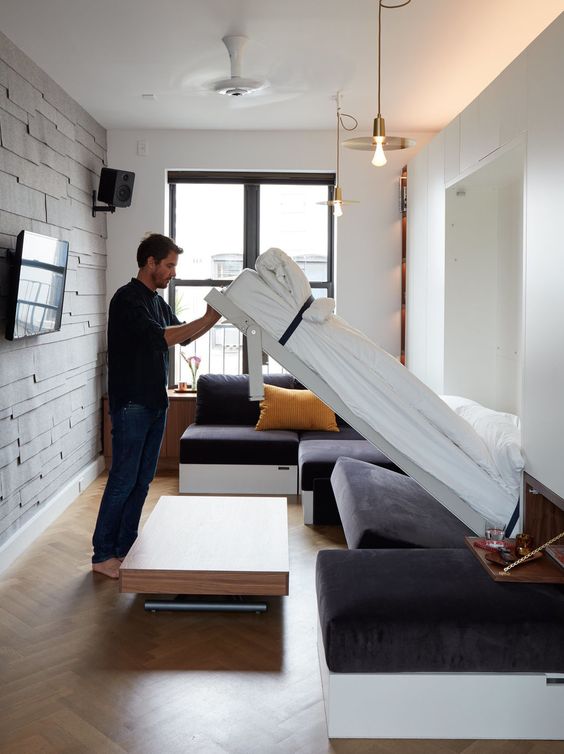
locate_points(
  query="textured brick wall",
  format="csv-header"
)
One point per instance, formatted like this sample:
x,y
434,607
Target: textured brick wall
x,y
51,153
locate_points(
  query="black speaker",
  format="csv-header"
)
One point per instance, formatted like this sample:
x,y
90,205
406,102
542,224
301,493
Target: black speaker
x,y
116,187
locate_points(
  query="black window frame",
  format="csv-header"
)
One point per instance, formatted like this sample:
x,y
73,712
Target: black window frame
x,y
251,182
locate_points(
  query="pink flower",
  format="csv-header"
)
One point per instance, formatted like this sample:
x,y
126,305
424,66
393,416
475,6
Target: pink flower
x,y
194,364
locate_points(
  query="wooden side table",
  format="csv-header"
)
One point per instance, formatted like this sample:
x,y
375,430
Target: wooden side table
x,y
541,571
181,413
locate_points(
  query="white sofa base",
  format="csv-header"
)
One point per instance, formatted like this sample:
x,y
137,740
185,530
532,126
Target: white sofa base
x,y
307,506
237,479
442,705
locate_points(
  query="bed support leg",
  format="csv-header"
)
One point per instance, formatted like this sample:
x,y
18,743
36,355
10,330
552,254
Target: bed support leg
x,y
254,350
252,331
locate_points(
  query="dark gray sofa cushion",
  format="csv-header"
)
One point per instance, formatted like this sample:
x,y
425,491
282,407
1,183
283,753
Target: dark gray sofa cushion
x,y
345,433
380,508
396,611
224,398
233,444
317,458
325,509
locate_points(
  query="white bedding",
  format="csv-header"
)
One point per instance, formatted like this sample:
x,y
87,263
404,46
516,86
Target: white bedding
x,y
501,433
375,386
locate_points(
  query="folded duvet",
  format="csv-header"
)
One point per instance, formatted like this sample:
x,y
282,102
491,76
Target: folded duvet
x,y
374,385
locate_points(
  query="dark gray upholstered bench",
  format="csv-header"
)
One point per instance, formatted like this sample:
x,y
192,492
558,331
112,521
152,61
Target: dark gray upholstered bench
x,y
433,611
316,461
238,445
222,453
381,508
403,631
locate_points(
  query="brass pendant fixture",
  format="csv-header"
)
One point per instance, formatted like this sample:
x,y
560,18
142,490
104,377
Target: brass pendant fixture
x,y
337,201
379,142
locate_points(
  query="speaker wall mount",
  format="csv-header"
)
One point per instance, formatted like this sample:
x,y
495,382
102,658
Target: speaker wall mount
x,y
115,190
98,208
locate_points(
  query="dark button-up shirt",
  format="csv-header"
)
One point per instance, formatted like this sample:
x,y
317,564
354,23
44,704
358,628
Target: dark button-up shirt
x,y
137,349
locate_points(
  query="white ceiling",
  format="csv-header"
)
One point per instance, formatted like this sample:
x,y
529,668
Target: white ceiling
x,y
437,55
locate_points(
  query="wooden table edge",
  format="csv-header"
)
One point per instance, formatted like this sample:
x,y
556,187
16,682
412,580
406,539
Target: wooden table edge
x,y
554,573
240,583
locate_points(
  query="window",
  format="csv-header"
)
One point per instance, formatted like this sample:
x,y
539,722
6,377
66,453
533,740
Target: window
x,y
227,266
223,222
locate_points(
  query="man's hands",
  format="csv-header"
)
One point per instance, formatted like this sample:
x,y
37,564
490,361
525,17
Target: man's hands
x,y
191,330
212,316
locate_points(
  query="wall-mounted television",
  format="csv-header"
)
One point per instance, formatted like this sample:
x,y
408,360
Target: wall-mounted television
x,y
37,285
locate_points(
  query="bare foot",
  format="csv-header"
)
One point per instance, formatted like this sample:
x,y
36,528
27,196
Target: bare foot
x,y
108,568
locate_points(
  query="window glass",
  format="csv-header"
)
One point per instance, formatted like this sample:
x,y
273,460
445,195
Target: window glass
x,y
209,224
209,227
221,349
291,220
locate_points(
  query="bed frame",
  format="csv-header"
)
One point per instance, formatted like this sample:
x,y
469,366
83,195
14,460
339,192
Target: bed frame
x,y
259,341
412,705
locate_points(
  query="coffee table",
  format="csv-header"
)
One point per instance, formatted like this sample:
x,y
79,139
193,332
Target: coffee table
x,y
208,545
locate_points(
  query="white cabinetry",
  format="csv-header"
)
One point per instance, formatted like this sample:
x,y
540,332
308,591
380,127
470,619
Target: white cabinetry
x,y
543,392
479,128
523,107
416,283
512,94
436,264
452,150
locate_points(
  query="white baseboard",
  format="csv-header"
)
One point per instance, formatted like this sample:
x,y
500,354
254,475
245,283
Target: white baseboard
x,y
50,510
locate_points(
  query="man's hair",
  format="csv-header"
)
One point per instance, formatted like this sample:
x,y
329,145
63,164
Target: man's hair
x,y
157,246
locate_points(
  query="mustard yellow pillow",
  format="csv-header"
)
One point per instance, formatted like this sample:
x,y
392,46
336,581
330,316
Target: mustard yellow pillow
x,y
294,409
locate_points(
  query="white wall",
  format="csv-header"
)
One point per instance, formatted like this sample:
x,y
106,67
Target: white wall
x,y
368,241
523,104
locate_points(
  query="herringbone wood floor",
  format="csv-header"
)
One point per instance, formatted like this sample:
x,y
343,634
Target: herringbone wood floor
x,y
85,669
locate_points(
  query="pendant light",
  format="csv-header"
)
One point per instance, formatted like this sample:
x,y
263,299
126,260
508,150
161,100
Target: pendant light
x,y
379,142
337,201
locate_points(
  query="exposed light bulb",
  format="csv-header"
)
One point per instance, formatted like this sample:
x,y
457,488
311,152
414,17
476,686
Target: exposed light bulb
x,y
379,159
337,209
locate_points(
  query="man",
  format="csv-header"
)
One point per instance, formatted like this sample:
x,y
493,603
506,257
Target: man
x,y
141,329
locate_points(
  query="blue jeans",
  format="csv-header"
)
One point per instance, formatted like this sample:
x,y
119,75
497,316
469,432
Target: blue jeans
x,y
137,433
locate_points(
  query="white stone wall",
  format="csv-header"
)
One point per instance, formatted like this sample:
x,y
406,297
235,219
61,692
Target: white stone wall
x,y
51,153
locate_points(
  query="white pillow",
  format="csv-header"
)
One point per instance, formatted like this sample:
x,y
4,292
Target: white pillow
x,y
457,402
320,310
500,431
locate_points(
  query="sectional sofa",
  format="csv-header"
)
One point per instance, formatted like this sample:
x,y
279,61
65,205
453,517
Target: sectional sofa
x,y
222,452
415,640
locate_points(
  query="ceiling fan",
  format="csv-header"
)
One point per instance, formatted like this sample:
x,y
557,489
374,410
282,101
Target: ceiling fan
x,y
237,85
285,81
281,80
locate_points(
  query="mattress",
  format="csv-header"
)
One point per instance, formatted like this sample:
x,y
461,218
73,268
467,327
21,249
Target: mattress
x,y
375,386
